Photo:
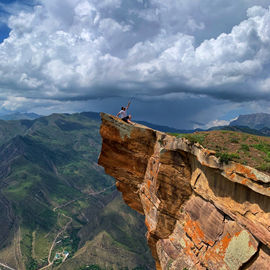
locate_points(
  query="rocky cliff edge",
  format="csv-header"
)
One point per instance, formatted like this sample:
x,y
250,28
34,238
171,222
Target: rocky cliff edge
x,y
200,213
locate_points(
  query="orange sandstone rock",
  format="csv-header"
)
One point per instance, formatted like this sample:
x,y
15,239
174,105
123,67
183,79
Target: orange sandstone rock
x,y
199,213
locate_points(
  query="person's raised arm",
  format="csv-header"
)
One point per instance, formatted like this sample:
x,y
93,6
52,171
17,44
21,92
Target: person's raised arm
x,y
128,105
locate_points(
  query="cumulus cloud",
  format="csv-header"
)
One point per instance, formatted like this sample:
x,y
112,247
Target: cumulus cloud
x,y
64,50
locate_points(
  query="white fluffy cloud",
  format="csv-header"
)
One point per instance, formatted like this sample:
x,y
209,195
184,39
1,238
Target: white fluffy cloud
x,y
213,123
82,49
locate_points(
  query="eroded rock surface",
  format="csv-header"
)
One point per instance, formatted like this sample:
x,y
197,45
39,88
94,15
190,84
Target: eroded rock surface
x,y
200,213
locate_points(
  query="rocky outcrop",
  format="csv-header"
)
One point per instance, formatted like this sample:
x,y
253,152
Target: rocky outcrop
x,y
200,213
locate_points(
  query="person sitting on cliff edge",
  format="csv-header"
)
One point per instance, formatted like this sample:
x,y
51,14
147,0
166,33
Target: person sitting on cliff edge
x,y
123,114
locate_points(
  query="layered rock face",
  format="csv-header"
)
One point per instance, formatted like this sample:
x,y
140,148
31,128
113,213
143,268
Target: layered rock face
x,y
200,213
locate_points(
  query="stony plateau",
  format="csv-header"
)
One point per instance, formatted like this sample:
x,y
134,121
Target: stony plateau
x,y
200,213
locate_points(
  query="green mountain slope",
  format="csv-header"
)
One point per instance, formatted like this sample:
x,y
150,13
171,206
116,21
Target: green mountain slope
x,y
57,207
110,240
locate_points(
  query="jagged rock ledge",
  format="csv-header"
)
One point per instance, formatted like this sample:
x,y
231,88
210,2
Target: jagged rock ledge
x,y
200,213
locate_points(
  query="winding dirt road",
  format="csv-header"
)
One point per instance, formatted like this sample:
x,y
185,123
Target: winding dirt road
x,y
6,266
50,262
83,197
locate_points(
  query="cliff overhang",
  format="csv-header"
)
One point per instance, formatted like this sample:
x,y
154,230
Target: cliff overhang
x,y
200,213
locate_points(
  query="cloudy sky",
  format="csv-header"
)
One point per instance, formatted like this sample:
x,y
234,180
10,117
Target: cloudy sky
x,y
194,63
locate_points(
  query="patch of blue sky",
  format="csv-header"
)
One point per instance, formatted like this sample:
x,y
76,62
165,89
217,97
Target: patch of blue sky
x,y
4,13
7,1
26,2
235,113
4,32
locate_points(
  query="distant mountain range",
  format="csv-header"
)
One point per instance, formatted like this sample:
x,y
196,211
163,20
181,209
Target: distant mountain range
x,y
257,124
20,116
255,121
166,128
245,129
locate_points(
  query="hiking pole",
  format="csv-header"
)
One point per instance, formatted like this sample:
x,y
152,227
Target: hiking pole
x,y
132,98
